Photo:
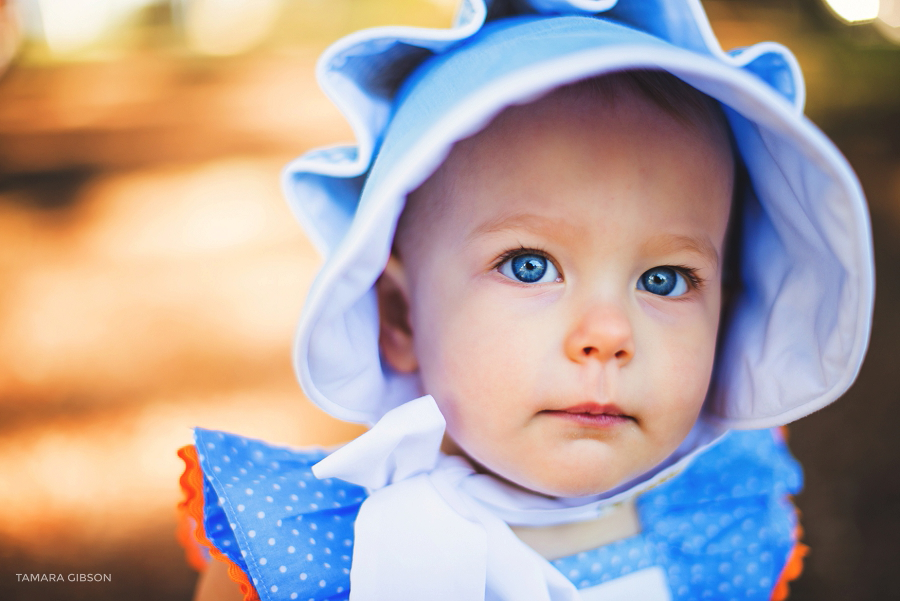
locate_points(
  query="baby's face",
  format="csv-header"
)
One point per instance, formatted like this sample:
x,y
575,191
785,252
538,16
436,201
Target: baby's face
x,y
563,277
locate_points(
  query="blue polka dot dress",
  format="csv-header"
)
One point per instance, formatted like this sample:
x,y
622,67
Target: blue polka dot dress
x,y
722,529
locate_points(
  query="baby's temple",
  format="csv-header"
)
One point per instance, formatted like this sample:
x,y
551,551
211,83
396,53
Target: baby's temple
x,y
581,266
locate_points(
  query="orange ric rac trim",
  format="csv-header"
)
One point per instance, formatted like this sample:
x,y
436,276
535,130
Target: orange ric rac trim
x,y
792,568
191,533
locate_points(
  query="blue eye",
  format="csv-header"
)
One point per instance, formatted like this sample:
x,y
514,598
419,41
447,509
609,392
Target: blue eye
x,y
662,281
529,268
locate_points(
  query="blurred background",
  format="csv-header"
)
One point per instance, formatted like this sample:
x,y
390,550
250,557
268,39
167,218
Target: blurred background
x,y
151,274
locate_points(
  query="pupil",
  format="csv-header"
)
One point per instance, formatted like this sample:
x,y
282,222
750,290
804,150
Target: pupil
x,y
660,280
529,268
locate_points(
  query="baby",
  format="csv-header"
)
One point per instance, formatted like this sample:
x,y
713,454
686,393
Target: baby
x,y
559,278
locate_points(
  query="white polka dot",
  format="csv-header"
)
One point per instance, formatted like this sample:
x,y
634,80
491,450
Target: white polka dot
x,y
249,491
595,567
321,584
346,571
271,541
288,508
226,459
291,549
278,523
263,561
240,508
313,506
282,569
210,445
327,551
295,498
295,532
217,469
269,499
312,541
327,565
274,589
261,514
340,589
303,576
319,495
252,533
314,526
243,471
293,595
309,557
277,486
329,535
227,543
243,553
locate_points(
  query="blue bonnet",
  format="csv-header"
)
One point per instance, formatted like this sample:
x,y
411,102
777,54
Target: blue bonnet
x,y
797,331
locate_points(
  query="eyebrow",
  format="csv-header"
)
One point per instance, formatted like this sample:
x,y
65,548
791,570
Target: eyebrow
x,y
529,222
671,243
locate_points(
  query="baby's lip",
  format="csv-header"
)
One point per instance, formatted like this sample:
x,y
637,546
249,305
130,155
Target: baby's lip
x,y
593,415
592,408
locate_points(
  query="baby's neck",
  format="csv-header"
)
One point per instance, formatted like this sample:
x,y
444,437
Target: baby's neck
x,y
553,542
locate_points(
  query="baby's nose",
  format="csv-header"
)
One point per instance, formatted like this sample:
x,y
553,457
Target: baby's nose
x,y
602,333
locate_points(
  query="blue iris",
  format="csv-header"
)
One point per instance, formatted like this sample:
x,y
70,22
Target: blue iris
x,y
529,268
663,281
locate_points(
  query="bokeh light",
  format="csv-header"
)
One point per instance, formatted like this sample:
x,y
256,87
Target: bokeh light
x,y
226,27
854,11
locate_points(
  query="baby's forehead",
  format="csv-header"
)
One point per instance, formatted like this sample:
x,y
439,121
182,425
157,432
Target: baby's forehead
x,y
610,123
623,102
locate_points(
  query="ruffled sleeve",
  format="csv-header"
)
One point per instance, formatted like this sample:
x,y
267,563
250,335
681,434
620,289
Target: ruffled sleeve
x,y
284,533
728,521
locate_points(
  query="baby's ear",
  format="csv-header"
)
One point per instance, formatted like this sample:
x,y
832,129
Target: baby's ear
x,y
395,336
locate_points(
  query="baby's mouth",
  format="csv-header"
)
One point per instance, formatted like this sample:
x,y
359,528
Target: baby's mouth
x,y
593,414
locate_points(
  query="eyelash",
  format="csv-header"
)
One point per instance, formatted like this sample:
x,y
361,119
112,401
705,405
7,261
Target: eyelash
x,y
522,250
690,273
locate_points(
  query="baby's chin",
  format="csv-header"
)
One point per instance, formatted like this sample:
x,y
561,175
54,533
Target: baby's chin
x,y
546,480
564,486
